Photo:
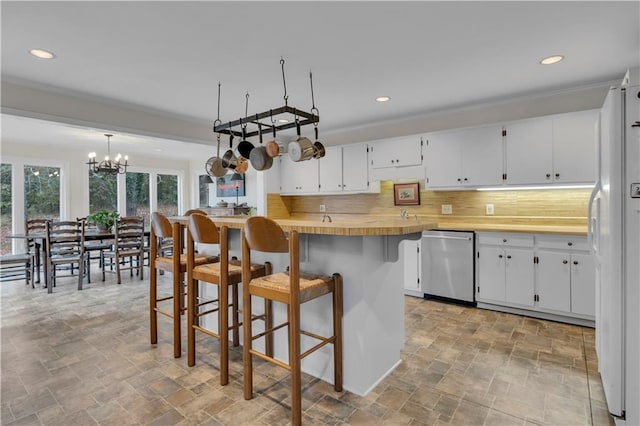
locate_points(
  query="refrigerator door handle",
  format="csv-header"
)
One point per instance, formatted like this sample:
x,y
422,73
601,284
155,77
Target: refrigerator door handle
x,y
593,221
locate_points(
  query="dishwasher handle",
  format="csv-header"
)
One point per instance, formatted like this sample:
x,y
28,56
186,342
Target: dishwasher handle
x,y
445,237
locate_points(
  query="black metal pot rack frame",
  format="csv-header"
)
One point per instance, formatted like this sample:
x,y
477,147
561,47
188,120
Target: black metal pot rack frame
x,y
304,118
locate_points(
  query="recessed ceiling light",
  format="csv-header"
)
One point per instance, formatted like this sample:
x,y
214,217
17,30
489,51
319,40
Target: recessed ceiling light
x,y
383,98
283,120
42,54
552,59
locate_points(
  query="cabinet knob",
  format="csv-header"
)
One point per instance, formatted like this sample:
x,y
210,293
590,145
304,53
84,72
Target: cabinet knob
x,y
500,256
509,257
557,175
397,161
504,240
466,180
569,243
565,261
575,262
459,180
548,175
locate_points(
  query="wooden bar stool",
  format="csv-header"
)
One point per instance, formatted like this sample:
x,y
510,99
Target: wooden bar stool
x,y
176,263
293,289
224,274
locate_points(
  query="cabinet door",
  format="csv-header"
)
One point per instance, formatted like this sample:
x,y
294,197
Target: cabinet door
x,y
574,147
354,168
583,284
442,158
481,156
519,276
397,152
411,265
528,152
298,176
554,289
331,170
491,276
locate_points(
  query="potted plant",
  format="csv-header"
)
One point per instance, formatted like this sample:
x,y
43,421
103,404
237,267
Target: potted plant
x,y
103,219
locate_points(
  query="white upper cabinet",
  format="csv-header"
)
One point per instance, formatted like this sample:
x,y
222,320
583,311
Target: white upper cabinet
x,y
396,152
528,148
344,168
468,158
299,177
556,149
574,147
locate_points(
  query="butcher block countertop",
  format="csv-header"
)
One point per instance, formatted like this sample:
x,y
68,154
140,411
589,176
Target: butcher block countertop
x,y
503,227
366,226
375,226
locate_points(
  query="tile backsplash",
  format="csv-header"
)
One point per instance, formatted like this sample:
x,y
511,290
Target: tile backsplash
x,y
551,203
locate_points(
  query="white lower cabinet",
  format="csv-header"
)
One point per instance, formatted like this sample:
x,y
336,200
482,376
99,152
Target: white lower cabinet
x,y
505,269
410,250
552,276
565,275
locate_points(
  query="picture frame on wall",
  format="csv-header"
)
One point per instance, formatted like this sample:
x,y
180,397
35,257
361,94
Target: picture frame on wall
x,y
225,187
406,194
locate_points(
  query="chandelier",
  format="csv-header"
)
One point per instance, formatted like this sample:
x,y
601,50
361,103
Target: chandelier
x,y
108,166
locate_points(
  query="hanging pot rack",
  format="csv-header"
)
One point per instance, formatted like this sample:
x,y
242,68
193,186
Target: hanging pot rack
x,y
269,119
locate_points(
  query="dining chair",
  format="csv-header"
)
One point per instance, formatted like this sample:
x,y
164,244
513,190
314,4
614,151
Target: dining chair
x,y
94,246
17,266
176,263
223,274
292,288
65,246
128,246
34,246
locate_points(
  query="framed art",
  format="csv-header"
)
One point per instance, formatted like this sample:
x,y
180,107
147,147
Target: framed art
x,y
225,187
406,194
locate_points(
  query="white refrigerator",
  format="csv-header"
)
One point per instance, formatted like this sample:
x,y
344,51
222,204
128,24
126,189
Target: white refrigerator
x,y
614,232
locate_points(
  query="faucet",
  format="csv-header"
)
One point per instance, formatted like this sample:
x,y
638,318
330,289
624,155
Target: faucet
x,y
404,214
326,216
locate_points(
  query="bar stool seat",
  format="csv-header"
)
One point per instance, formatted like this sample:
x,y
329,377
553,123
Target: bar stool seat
x,y
292,288
161,232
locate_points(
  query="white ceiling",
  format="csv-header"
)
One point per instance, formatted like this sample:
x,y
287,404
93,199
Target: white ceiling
x,y
428,56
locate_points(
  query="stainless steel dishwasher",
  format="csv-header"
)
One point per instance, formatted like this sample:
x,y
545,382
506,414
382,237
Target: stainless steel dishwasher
x,y
448,265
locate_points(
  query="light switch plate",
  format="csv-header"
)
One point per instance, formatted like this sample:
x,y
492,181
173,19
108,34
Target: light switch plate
x,y
447,209
489,209
323,208
635,190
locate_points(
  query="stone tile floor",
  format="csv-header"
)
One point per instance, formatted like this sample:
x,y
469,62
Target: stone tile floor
x,y
83,358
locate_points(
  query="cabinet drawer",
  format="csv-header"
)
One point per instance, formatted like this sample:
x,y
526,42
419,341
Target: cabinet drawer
x,y
506,240
563,242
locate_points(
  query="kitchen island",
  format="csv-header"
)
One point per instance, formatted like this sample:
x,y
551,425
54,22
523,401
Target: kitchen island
x,y
366,254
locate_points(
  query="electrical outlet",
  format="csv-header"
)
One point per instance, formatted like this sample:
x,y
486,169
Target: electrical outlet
x,y
488,209
323,208
447,209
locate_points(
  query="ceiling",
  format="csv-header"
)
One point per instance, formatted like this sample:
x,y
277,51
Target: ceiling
x,y
168,57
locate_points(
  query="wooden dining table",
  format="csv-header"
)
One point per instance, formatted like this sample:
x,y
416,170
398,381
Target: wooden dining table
x,y
90,235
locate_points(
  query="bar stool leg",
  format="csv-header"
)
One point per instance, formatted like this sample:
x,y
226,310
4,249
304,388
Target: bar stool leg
x,y
246,345
337,333
223,330
235,319
153,304
294,362
192,297
177,349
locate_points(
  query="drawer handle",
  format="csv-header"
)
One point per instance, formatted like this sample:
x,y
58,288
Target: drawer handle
x,y
565,261
509,257
500,256
575,262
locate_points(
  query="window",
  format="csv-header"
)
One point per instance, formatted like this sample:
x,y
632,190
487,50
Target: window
x,y
103,192
138,195
205,186
6,204
41,192
167,194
